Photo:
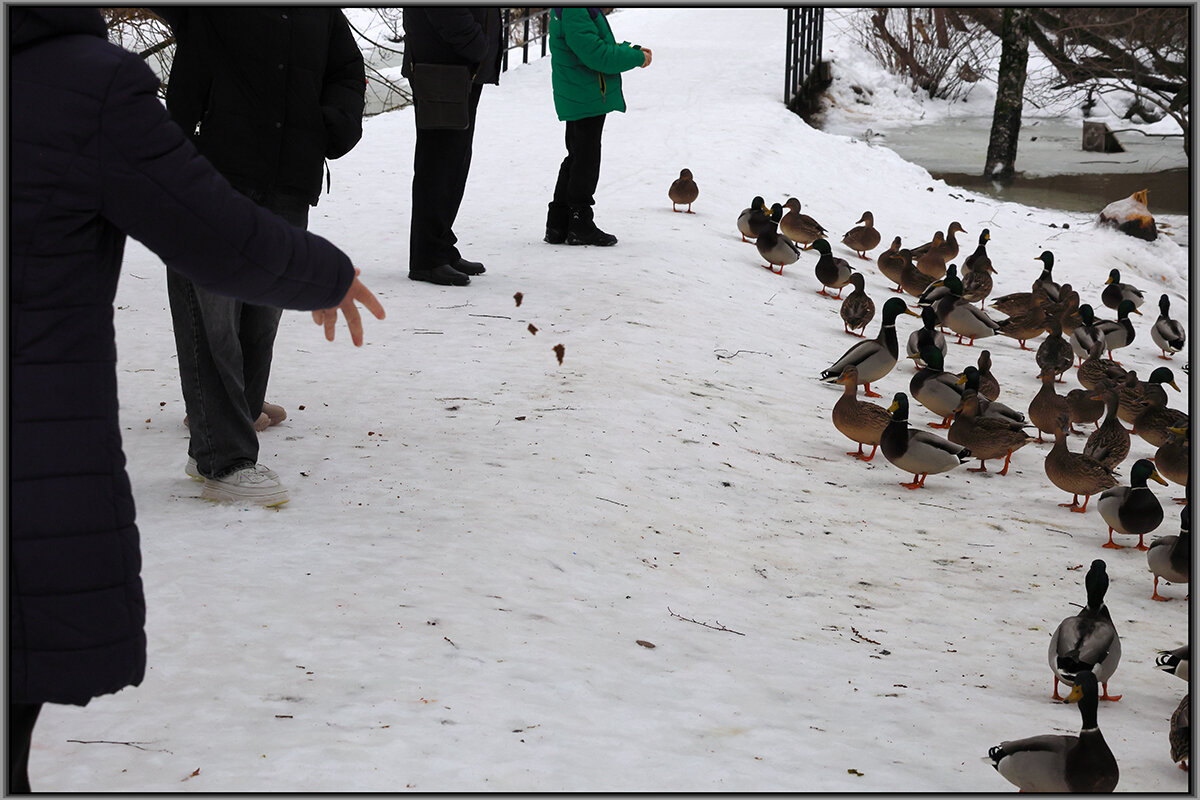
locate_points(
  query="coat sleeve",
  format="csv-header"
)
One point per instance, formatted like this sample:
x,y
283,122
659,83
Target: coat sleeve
x,y
458,28
343,93
580,34
155,187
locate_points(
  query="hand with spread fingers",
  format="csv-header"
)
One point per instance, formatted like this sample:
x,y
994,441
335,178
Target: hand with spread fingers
x,y
359,293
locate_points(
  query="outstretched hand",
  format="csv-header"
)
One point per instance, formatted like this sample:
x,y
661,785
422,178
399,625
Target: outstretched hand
x,y
358,292
649,56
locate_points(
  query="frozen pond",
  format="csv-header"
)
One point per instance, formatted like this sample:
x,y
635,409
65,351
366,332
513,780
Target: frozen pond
x,y
1054,170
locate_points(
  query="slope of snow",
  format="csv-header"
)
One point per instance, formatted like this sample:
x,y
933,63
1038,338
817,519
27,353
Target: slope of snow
x,y
480,539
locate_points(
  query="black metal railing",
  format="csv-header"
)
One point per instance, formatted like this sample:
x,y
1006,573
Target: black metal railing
x,y
805,28
528,25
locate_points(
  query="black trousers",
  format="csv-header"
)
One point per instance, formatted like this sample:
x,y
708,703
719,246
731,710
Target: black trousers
x,y
441,161
580,170
21,719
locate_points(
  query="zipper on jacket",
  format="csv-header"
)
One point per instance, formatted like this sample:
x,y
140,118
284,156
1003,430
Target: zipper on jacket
x,y
603,88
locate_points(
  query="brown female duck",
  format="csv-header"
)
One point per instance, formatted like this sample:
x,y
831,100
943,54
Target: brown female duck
x,y
1096,372
1076,473
857,309
800,228
985,437
864,237
1047,406
891,264
858,420
1109,443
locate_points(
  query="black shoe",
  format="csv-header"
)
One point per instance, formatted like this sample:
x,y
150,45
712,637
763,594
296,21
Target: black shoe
x,y
468,267
442,274
555,235
594,236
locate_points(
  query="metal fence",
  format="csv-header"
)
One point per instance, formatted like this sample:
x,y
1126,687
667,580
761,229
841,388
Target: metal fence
x,y
519,30
805,28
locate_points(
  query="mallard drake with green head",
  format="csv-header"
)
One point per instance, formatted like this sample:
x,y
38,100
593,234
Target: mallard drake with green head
x,y
774,247
1076,473
1109,443
933,387
969,378
1151,389
1118,333
1054,354
858,420
1087,643
985,437
1058,762
1047,406
1115,291
800,228
1096,372
864,237
925,336
979,258
1167,333
1132,510
857,309
917,451
876,357
1044,288
1170,559
832,271
1173,459
683,191
754,219
963,318
891,264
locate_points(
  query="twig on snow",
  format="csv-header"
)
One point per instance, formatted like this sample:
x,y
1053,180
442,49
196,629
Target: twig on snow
x,y
138,745
717,627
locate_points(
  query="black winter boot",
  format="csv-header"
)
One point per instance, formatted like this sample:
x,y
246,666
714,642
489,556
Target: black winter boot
x,y
582,230
557,217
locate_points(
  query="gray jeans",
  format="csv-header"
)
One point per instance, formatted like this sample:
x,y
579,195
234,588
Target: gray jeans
x,y
224,348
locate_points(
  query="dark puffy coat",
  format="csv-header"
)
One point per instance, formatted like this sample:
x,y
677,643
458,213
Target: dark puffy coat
x,y
453,35
94,157
266,93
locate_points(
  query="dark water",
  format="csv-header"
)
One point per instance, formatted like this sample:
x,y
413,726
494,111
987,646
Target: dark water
x,y
1085,193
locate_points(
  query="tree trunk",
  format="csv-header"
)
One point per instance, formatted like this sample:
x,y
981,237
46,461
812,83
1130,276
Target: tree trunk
x,y
1006,118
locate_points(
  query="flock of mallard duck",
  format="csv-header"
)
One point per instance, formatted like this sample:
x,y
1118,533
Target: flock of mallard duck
x,y
1084,649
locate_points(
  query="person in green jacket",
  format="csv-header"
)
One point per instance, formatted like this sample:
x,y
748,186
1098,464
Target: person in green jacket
x,y
585,63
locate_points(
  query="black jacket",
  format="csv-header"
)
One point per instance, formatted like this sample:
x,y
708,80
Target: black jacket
x,y
266,93
453,35
93,157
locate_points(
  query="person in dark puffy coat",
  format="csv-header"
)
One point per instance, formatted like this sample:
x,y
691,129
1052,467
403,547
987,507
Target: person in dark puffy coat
x,y
442,158
266,94
94,157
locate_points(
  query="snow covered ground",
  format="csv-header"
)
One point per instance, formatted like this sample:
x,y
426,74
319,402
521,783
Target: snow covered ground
x,y
482,542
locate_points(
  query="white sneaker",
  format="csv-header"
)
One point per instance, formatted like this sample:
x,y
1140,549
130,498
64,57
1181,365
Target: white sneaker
x,y
252,484
193,471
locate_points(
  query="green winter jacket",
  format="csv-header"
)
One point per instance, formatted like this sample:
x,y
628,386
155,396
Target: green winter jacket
x,y
585,62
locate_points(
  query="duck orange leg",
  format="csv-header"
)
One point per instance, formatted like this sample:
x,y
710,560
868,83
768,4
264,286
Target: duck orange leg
x,y
1156,595
1007,459
1057,696
945,423
1074,504
916,484
982,466
1083,507
867,391
1106,695
1110,543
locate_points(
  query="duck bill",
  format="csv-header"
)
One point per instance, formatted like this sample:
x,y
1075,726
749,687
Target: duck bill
x,y
1154,476
910,312
893,407
962,380
1075,695
1174,386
